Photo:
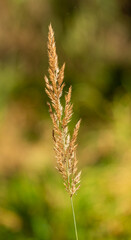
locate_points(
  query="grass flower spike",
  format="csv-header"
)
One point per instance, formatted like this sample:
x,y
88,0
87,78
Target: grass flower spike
x,y
64,145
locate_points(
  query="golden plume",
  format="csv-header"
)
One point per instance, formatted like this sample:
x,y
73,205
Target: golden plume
x,y
64,145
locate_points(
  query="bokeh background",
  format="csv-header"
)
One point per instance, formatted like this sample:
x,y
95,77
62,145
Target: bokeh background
x,y
93,38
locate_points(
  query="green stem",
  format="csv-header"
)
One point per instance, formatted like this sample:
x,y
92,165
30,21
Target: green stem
x,y
74,218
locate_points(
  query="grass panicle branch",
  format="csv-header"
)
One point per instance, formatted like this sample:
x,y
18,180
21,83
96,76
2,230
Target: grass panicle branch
x,y
64,145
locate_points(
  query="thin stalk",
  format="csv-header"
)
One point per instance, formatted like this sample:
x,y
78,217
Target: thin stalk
x,y
74,218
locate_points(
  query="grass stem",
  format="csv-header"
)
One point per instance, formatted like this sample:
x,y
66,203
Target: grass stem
x,y
74,218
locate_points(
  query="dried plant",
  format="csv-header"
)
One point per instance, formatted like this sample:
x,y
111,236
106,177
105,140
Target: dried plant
x,y
64,145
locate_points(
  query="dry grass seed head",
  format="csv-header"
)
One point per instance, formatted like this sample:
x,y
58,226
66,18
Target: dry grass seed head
x,y
64,146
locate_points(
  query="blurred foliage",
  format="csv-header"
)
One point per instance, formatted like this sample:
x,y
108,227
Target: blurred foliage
x,y
93,38
37,207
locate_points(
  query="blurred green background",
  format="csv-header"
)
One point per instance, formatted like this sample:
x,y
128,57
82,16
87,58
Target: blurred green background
x,y
93,38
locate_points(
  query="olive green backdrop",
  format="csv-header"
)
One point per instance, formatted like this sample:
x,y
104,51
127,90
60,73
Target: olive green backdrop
x,y
93,38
